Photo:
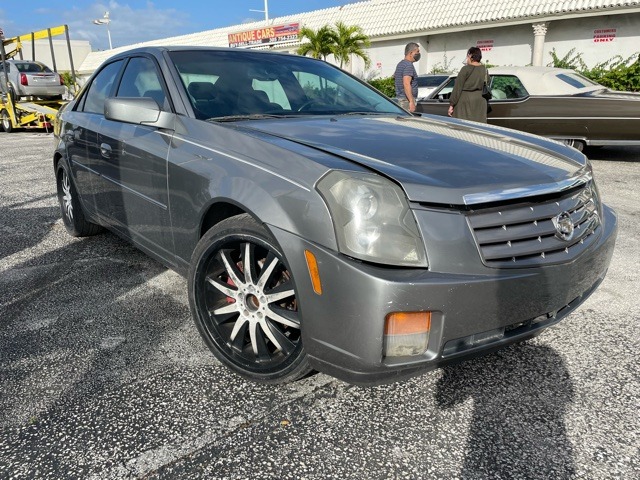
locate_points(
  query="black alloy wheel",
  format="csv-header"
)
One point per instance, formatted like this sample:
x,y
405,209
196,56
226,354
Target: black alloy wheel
x,y
244,302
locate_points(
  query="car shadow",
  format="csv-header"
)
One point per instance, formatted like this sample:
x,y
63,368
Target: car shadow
x,y
629,153
18,235
519,409
79,317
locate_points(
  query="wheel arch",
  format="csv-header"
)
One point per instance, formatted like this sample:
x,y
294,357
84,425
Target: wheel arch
x,y
218,210
301,213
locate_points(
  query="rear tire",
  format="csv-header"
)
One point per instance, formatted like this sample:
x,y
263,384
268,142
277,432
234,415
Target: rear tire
x,y
73,216
577,144
5,121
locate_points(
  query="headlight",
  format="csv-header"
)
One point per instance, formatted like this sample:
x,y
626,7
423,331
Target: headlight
x,y
372,219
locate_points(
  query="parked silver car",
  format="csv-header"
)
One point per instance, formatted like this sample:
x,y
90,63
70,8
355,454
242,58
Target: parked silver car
x,y
30,79
319,225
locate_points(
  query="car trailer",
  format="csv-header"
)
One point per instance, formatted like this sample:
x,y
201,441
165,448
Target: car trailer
x,y
35,114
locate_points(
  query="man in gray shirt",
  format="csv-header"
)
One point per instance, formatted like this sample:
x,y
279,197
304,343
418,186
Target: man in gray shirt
x,y
406,77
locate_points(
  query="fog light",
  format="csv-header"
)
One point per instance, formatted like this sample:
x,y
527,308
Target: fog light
x,y
406,333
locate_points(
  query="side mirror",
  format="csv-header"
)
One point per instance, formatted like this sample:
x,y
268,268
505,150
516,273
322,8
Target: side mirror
x,y
139,111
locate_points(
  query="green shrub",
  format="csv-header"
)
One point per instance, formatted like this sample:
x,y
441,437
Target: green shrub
x,y
617,73
386,86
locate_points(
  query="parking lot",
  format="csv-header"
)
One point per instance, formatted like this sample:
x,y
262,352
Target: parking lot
x,y
104,374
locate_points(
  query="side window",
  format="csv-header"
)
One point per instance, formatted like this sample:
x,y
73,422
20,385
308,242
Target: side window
x,y
507,87
101,87
140,79
445,92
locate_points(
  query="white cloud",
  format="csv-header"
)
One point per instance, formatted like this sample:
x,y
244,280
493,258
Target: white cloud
x,y
128,25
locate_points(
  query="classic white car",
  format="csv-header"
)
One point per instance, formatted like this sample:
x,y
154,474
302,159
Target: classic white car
x,y
556,103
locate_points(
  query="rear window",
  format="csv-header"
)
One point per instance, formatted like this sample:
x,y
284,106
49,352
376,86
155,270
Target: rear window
x,y
32,68
576,80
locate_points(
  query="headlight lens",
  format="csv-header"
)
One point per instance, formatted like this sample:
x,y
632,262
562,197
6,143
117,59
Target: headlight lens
x,y
372,219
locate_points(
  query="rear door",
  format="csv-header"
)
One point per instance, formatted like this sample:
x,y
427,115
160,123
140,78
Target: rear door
x,y
81,133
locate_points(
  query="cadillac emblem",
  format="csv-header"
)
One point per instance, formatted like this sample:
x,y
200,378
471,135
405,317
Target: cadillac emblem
x,y
564,226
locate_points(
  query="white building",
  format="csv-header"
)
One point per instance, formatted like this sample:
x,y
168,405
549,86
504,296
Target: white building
x,y
60,60
510,32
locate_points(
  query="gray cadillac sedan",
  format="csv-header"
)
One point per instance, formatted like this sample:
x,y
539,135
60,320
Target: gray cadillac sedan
x,y
319,225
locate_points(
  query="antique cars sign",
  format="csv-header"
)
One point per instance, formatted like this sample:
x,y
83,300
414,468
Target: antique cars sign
x,y
267,35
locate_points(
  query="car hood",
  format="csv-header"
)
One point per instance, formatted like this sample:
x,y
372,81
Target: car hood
x,y
437,160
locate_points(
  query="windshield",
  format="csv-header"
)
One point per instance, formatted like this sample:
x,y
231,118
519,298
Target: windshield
x,y
252,85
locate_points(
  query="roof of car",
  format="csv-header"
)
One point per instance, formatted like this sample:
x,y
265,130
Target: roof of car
x,y
544,80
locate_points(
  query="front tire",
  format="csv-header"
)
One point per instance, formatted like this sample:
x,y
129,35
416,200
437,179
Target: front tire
x,y
244,301
73,216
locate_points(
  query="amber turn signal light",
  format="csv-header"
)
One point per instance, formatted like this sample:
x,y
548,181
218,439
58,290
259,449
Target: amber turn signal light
x,y
406,333
314,273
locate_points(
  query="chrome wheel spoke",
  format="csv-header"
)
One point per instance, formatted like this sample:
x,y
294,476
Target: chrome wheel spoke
x,y
247,261
236,339
279,339
283,316
268,331
223,287
230,268
275,295
231,308
260,344
266,272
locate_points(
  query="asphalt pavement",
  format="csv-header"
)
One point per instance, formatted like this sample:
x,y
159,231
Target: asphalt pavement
x,y
103,374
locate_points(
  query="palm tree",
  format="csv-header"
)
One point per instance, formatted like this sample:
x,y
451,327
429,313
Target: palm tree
x,y
350,40
320,42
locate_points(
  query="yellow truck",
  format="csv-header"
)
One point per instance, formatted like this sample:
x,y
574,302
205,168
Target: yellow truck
x,y
33,112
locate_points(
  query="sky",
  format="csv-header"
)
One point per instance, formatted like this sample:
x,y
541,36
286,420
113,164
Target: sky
x,y
140,21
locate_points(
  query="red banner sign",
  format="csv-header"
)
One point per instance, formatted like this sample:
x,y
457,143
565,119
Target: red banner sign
x,y
261,36
485,45
604,35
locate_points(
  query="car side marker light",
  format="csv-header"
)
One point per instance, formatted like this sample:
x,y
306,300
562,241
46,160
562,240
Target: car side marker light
x,y
406,333
314,273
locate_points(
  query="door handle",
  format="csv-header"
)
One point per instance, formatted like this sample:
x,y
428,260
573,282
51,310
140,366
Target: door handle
x,y
105,150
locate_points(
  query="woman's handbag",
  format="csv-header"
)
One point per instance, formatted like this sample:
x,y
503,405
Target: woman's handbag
x,y
486,93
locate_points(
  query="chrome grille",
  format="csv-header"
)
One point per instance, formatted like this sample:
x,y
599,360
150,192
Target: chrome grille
x,y
526,235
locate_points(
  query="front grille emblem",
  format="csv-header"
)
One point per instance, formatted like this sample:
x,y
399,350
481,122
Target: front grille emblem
x,y
564,226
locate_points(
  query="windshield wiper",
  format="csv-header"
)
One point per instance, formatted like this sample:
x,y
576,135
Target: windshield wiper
x,y
252,116
365,113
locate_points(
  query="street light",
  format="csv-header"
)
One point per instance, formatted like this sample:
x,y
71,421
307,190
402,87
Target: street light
x,y
106,21
266,11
